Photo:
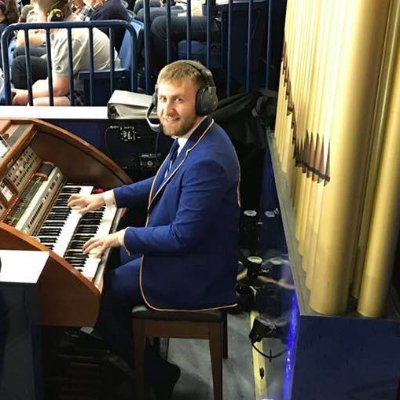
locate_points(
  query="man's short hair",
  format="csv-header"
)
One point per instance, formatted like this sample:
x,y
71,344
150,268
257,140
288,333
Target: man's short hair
x,y
179,70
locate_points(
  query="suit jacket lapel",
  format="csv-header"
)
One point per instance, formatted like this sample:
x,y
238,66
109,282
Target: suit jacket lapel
x,y
164,173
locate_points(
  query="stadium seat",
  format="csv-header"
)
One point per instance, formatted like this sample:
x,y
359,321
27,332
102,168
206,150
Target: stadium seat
x,y
199,53
124,78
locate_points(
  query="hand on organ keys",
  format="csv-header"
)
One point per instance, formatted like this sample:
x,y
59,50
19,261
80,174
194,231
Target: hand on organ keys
x,y
66,230
98,245
86,203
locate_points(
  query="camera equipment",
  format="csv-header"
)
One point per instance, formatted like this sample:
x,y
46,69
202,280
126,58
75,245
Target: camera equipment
x,y
265,327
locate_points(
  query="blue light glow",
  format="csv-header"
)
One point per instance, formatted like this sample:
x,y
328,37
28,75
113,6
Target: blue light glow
x,y
290,355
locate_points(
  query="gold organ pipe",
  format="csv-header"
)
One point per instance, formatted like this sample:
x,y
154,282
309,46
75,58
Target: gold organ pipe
x,y
304,137
357,85
314,127
305,85
385,221
297,78
293,59
334,44
284,89
391,47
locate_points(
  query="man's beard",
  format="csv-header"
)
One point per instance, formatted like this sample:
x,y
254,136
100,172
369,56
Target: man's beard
x,y
179,129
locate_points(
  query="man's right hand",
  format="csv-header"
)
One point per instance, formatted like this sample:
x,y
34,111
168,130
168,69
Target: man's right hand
x,y
86,203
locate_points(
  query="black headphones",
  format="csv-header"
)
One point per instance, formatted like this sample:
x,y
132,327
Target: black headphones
x,y
55,15
206,96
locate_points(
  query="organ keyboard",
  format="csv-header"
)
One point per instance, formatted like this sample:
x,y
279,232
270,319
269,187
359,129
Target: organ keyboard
x,y
65,231
37,176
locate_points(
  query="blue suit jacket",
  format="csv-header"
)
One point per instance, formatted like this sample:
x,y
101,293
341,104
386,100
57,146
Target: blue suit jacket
x,y
190,241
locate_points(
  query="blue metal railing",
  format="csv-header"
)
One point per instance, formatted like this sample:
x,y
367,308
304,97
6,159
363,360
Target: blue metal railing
x,y
237,48
147,39
249,41
46,27
239,52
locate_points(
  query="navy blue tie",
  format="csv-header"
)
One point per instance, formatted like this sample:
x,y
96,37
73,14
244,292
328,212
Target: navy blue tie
x,y
172,155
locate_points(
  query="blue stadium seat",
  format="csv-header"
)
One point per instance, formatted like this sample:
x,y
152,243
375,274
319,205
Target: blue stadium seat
x,y
199,53
122,78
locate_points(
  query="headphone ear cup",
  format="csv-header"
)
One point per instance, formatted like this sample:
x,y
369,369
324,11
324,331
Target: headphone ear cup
x,y
55,15
206,100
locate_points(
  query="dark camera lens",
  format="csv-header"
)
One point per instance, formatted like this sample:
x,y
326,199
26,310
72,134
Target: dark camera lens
x,y
245,297
243,290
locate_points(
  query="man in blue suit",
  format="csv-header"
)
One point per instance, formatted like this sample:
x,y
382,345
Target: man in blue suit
x,y
188,247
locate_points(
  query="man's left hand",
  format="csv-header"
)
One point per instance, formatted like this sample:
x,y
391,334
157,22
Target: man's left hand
x,y
98,245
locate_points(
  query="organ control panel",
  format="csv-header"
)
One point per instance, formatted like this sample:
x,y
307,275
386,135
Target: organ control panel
x,y
41,165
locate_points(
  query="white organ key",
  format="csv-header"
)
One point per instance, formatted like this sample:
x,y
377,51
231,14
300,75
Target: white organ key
x,y
66,233
69,224
91,263
106,221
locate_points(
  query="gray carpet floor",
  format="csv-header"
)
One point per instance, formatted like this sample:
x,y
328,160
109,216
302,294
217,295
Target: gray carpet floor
x,y
193,357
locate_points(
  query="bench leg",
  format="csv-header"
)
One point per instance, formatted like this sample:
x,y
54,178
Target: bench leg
x,y
216,350
225,336
139,348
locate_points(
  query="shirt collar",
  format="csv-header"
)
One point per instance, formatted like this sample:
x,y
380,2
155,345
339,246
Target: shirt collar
x,y
184,138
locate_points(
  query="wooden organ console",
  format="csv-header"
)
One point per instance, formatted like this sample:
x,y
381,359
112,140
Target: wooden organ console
x,y
41,165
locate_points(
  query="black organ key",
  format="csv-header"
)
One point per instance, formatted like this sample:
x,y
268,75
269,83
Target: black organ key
x,y
53,223
47,239
66,231
71,189
87,229
51,231
60,224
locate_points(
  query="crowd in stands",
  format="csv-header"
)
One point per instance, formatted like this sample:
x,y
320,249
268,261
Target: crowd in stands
x,y
56,11
85,10
96,10
8,15
158,27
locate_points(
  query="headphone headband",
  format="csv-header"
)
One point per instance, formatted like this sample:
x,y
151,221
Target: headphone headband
x,y
204,72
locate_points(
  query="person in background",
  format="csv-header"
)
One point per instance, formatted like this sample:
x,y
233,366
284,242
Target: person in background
x,y
97,10
187,254
156,4
37,37
77,6
8,15
139,5
158,29
25,11
158,8
53,11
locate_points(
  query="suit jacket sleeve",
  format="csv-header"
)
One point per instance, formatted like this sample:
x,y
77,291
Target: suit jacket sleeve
x,y
202,190
134,194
